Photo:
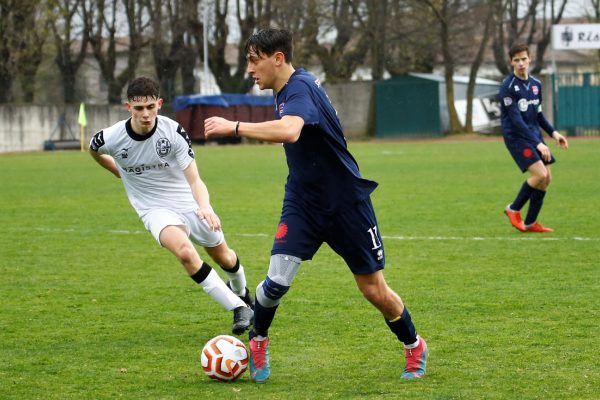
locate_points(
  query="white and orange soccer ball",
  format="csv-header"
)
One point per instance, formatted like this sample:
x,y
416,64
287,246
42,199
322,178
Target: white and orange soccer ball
x,y
224,358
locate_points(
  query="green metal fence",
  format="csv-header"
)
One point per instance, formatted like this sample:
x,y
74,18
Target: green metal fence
x,y
577,103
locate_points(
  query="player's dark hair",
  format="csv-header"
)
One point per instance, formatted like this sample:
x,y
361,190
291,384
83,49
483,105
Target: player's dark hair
x,y
270,40
143,87
517,48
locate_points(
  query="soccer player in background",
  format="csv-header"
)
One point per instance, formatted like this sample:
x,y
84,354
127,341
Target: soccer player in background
x,y
153,156
326,199
521,118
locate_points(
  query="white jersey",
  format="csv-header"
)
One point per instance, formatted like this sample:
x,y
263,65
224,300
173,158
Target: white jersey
x,y
151,166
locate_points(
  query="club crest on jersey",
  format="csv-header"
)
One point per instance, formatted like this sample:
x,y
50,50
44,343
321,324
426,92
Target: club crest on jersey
x,y
535,90
282,231
163,147
507,101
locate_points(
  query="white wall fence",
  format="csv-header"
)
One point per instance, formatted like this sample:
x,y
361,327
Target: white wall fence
x,y
27,127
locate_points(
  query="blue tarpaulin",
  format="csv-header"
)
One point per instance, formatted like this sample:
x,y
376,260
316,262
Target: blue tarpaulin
x,y
224,100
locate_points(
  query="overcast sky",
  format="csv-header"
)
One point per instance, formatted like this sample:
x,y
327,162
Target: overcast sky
x,y
578,8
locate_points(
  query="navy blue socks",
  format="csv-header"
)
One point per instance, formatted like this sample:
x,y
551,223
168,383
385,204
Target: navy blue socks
x,y
535,205
522,197
403,328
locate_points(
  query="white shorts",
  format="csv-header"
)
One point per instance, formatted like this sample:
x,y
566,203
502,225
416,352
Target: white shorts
x,y
197,229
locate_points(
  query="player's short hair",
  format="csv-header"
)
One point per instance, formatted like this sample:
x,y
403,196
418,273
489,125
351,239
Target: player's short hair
x,y
270,40
517,48
143,87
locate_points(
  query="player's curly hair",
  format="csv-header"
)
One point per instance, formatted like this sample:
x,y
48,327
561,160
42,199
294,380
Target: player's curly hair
x,y
268,41
143,87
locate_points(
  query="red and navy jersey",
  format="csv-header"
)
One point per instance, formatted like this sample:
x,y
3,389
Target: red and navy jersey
x,y
521,109
322,172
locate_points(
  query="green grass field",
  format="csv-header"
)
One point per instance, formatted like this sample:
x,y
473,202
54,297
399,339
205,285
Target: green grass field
x,y
92,308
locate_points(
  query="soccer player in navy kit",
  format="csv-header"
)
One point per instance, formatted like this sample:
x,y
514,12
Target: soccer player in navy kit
x,y
522,117
326,199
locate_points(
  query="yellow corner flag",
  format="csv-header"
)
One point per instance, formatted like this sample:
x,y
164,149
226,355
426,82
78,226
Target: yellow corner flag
x,y
82,121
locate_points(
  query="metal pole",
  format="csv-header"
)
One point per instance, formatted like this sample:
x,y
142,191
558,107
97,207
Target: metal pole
x,y
205,37
555,82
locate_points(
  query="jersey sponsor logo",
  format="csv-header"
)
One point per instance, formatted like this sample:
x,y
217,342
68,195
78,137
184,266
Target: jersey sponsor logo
x,y
527,153
163,147
507,101
535,90
524,103
140,169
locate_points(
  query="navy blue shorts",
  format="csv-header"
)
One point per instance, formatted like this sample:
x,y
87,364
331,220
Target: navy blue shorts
x,y
351,232
525,153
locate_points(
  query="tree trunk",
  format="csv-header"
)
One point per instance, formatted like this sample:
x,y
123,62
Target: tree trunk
x,y
453,121
68,76
6,81
475,68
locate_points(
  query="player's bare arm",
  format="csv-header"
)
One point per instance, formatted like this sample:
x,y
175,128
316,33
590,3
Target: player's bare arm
x,y
106,162
200,193
561,141
285,130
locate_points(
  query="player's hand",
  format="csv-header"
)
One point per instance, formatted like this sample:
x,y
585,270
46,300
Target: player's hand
x,y
560,140
214,126
545,150
208,215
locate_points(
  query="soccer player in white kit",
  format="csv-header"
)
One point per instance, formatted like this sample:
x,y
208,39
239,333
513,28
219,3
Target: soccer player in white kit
x,y
153,156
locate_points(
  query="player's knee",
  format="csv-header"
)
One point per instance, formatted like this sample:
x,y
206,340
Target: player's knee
x,y
538,180
227,260
544,181
548,180
186,254
282,270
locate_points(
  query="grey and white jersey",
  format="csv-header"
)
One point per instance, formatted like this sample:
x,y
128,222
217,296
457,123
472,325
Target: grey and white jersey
x,y
151,166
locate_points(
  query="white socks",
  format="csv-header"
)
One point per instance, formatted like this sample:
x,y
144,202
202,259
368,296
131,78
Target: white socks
x,y
214,286
237,280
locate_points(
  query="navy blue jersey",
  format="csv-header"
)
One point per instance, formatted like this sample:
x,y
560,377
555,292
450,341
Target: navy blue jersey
x,y
521,110
322,172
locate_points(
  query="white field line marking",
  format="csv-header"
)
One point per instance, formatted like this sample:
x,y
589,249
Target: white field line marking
x,y
530,236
